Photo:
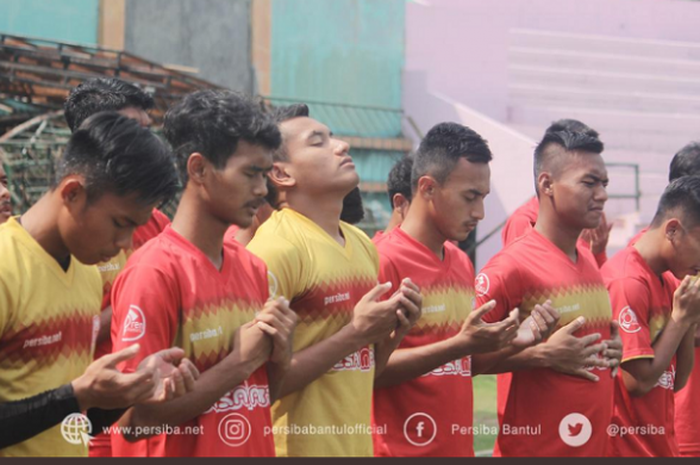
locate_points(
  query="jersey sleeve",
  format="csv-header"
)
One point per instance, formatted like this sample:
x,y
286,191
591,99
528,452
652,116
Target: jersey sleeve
x,y
285,273
516,227
497,281
7,302
145,311
389,273
630,299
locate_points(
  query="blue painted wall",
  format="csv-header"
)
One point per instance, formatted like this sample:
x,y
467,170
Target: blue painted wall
x,y
61,20
340,51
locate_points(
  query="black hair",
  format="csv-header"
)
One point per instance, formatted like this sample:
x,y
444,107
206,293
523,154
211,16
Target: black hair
x,y
212,122
683,194
353,211
115,154
103,94
686,162
442,148
285,113
569,134
399,181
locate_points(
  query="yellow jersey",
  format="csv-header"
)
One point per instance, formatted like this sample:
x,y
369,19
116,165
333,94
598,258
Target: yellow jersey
x,y
323,281
49,319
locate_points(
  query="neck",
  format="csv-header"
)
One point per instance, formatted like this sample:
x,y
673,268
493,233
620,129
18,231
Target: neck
x,y
194,222
559,234
324,210
419,226
41,222
648,248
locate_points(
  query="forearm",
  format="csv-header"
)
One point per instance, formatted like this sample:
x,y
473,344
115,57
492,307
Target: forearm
x,y
685,359
383,351
211,386
407,364
26,418
276,377
642,375
511,359
105,324
313,362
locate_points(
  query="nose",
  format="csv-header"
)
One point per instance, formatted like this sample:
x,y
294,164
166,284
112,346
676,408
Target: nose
x,y
601,194
4,192
341,147
478,212
260,187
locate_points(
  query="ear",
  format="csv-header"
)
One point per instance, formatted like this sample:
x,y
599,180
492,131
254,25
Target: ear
x,y
281,176
197,167
672,228
400,204
73,193
426,187
544,183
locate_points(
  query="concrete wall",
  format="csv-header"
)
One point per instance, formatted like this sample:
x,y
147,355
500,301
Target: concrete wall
x,y
212,36
61,20
466,41
340,51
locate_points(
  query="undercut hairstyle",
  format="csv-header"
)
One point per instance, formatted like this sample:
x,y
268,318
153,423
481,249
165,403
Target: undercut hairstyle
x,y
442,148
353,210
116,155
286,113
568,135
399,181
212,122
681,199
103,94
686,162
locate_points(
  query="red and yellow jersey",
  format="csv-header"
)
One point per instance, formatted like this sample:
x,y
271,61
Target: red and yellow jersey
x,y
417,422
687,416
100,445
323,280
642,305
524,219
170,294
49,320
156,225
543,412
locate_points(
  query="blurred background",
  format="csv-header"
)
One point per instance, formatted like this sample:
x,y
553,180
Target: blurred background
x,y
380,73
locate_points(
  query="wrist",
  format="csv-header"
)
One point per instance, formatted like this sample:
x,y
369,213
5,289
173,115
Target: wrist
x,y
81,391
541,355
356,338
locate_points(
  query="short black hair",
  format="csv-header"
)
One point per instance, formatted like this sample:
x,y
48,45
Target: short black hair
x,y
686,162
103,94
442,148
211,122
116,155
284,113
681,196
399,181
353,210
572,125
571,135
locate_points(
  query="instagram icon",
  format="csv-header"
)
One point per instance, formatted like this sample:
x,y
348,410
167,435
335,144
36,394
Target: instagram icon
x,y
234,430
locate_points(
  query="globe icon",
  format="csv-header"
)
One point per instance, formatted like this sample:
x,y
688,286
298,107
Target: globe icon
x,y
74,427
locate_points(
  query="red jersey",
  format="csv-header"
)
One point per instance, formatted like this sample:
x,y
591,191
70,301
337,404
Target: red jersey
x,y
417,422
148,231
524,219
378,237
100,445
543,412
169,295
687,417
642,305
